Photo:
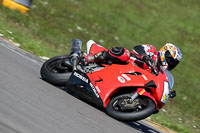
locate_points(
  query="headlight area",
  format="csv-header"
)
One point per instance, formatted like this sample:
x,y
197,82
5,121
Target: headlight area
x,y
165,95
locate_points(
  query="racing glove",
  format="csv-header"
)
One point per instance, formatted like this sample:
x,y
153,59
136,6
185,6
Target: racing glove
x,y
149,61
87,59
98,57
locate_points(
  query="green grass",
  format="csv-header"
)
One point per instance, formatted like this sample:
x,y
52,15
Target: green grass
x,y
49,27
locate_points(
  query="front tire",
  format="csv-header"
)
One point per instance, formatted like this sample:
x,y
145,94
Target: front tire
x,y
120,109
54,72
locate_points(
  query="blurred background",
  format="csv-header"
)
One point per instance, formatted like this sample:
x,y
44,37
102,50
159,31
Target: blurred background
x,y
47,27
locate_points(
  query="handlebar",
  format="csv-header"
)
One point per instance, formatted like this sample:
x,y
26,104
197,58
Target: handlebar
x,y
150,65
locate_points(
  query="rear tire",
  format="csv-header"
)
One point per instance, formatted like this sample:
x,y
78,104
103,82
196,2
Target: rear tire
x,y
147,107
53,74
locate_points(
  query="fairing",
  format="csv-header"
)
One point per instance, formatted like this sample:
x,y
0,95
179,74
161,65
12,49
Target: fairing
x,y
98,86
116,76
81,84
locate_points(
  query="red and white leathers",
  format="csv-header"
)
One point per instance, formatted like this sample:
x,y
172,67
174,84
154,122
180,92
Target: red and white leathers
x,y
122,55
144,50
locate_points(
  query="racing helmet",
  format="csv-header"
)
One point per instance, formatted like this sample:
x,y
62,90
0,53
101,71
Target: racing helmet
x,y
170,56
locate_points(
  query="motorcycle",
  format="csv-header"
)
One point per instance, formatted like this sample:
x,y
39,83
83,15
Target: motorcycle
x,y
126,91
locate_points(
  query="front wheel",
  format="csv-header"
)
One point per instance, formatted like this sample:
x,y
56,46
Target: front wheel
x,y
122,109
55,72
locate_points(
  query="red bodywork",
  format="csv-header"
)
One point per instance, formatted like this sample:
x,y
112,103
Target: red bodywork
x,y
109,80
113,77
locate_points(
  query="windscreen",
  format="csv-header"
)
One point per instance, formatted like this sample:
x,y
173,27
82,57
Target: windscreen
x,y
170,79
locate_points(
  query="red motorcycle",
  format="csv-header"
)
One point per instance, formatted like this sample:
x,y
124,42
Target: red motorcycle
x,y
126,91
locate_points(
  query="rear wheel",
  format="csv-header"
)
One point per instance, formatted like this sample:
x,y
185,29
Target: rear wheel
x,y
55,71
122,109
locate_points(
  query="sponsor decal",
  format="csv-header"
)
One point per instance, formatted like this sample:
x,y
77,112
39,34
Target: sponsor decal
x,y
126,77
145,78
98,90
94,90
142,92
80,77
121,79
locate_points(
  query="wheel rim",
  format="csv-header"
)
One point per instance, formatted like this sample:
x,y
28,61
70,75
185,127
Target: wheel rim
x,y
124,104
57,66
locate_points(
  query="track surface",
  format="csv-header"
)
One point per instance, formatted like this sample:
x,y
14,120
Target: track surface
x,y
30,105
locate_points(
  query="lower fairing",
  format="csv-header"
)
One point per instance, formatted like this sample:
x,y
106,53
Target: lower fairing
x,y
80,84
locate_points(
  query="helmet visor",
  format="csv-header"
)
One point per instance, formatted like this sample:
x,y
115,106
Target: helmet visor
x,y
170,60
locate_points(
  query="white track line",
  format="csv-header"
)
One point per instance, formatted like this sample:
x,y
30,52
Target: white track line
x,y
17,52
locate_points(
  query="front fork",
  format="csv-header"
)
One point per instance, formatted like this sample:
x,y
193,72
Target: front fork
x,y
75,52
133,97
142,92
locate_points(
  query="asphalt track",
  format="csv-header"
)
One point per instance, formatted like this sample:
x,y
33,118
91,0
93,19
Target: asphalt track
x,y
30,105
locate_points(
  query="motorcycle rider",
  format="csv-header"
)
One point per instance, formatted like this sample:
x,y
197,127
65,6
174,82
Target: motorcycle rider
x,y
144,56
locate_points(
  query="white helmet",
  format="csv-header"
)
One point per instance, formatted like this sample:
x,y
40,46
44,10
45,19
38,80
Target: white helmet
x,y
170,56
